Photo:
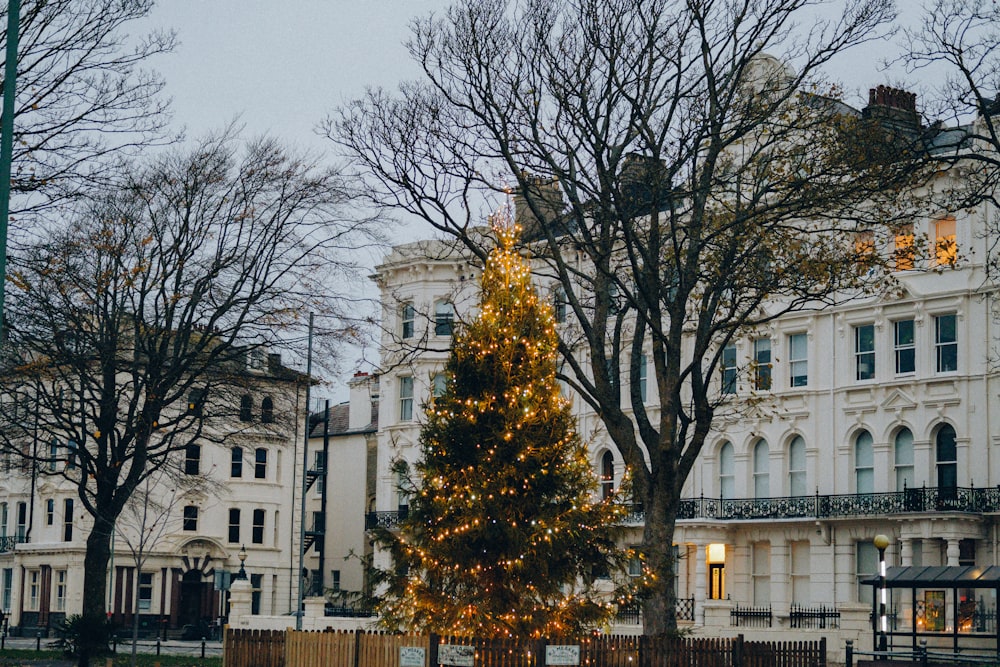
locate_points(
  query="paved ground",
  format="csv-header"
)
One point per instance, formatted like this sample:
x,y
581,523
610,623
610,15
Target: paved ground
x,y
169,647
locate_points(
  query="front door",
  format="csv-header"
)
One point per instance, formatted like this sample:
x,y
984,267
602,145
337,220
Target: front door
x,y
193,600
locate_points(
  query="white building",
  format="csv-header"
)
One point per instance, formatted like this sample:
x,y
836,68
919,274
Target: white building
x,y
878,416
236,489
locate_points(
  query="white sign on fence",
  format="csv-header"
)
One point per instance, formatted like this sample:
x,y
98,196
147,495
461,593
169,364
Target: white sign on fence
x,y
411,656
566,654
460,656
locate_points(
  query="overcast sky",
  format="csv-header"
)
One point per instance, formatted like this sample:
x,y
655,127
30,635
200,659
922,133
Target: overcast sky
x,y
282,65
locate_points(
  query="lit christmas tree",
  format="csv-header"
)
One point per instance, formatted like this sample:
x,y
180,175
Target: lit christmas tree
x,y
504,536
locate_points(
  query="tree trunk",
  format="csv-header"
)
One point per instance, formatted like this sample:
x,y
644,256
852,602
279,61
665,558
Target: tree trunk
x,y
93,638
658,538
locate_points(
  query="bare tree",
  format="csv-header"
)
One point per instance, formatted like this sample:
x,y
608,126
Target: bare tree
x,y
958,43
134,330
678,185
82,94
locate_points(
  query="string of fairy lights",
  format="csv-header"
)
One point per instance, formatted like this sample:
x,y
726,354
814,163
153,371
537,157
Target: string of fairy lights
x,y
505,527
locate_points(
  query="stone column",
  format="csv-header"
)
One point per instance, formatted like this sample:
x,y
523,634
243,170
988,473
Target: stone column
x,y
906,552
700,582
240,603
779,577
952,552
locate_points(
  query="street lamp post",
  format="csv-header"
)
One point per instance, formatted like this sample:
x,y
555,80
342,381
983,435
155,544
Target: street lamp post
x,y
881,542
242,555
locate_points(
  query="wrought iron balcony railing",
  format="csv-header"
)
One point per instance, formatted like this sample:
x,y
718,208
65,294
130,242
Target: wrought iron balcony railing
x,y
908,501
7,543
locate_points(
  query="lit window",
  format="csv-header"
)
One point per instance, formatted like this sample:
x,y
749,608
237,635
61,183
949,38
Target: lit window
x,y
192,459
196,402
260,463
267,410
797,467
762,364
236,463
864,463
864,352
257,536
729,369
945,343
864,250
945,247
68,520
904,248
405,399
444,316
234,525
190,518
408,316
903,347
798,360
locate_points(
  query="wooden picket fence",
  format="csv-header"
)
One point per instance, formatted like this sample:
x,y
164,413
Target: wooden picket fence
x,y
280,648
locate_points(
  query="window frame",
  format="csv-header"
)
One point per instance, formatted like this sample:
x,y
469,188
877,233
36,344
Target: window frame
x,y
189,518
864,356
904,350
727,471
800,379
246,408
864,469
797,469
259,518
946,349
67,520
729,370
900,465
761,455
945,251
407,320
406,398
233,533
260,463
444,318
267,410
192,459
236,462
145,594
763,379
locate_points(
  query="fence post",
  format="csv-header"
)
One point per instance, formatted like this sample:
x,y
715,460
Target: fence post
x,y
923,653
849,654
822,651
540,652
738,651
357,647
643,651
432,659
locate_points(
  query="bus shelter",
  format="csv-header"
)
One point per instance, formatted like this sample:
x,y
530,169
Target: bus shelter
x,y
948,606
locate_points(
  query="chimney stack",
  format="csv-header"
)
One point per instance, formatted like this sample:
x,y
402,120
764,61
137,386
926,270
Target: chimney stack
x,y
894,108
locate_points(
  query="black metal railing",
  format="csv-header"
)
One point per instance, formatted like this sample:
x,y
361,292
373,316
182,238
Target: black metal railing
x,y
924,499
631,614
751,617
8,543
813,617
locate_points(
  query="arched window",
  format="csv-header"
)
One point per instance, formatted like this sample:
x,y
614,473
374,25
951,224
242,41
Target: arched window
x,y
947,458
267,410
246,408
797,467
761,470
903,459
864,463
607,475
727,471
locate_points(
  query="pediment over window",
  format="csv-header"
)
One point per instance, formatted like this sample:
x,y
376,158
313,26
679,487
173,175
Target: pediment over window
x,y
898,400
